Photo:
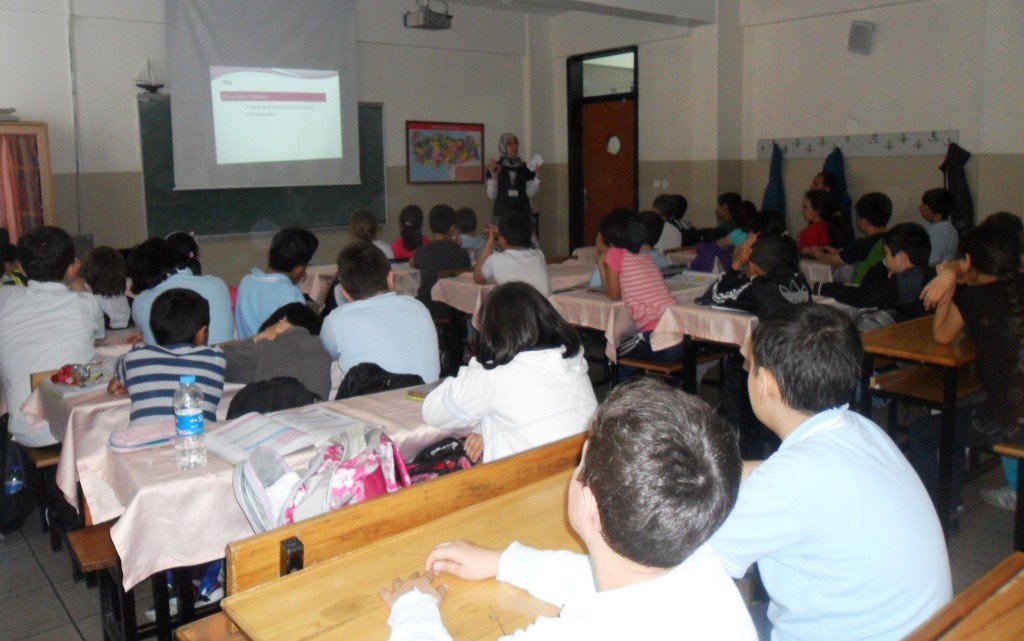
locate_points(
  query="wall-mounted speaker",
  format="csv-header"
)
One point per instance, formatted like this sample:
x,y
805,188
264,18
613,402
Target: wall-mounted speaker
x,y
860,37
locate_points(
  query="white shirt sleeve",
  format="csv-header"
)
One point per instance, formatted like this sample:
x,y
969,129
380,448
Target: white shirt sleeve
x,y
553,576
328,339
532,186
461,401
492,188
415,617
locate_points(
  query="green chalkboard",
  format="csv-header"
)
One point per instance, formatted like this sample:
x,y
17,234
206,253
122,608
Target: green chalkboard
x,y
213,212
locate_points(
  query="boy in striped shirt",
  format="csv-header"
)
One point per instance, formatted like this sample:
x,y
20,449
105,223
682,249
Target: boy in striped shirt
x,y
180,321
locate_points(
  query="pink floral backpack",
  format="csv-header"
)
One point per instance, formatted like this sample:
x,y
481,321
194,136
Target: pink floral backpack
x,y
358,464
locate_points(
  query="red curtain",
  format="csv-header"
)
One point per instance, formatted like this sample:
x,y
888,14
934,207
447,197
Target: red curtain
x,y
21,196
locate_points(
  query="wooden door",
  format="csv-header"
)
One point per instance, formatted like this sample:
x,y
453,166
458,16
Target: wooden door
x,y
609,160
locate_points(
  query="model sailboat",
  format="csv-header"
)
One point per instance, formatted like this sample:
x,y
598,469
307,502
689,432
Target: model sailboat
x,y
146,79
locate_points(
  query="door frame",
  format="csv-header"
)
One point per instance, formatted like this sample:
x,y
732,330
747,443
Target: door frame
x,y
574,95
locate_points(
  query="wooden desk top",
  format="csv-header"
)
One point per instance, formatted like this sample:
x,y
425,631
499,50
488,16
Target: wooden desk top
x,y
912,340
992,608
338,599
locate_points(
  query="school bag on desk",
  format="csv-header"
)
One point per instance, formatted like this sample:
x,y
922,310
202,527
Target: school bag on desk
x,y
358,464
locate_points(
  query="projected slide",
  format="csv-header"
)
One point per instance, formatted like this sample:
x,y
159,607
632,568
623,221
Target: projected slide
x,y
275,115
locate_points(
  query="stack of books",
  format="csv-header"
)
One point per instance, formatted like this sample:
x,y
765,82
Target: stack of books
x,y
7,114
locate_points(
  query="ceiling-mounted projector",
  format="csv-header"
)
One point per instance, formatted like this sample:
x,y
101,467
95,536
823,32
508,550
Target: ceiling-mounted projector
x,y
427,19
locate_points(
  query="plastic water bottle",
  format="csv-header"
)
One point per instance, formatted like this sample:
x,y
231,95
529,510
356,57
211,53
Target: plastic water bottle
x,y
15,479
190,446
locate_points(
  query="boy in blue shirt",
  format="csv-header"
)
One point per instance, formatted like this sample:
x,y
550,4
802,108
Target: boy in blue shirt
x,y
261,293
842,530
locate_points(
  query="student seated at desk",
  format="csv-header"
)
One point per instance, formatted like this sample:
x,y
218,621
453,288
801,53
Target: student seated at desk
x,y
843,533
288,344
363,226
465,222
43,325
982,294
527,386
516,260
149,373
653,228
442,253
411,236
937,205
155,267
893,286
672,208
104,275
764,277
379,325
633,277
261,293
872,212
658,475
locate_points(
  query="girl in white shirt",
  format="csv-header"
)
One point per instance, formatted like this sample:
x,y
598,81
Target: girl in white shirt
x,y
105,275
528,384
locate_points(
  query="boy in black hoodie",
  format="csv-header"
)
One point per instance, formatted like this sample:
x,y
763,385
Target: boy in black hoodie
x,y
764,277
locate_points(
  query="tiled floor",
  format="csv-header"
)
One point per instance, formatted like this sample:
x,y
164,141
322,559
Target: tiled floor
x,y
38,599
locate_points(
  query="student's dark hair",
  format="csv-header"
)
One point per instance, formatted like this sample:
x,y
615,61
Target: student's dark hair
x,y
875,207
822,202
664,470
622,228
187,250
442,217
681,205
516,226
829,180
465,220
1005,218
940,200
912,239
299,315
150,263
362,225
653,224
292,247
995,252
814,352
177,316
770,252
45,253
768,223
363,270
667,206
744,215
105,270
517,318
411,220
730,200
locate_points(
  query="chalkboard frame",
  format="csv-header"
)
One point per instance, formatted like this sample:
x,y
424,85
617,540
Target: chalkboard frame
x,y
242,212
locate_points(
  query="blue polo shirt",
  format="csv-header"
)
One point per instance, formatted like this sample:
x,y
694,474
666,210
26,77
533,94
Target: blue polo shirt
x,y
843,532
213,289
260,295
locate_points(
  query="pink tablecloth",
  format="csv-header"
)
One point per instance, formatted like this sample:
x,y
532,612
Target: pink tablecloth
x,y
594,310
585,255
172,518
318,279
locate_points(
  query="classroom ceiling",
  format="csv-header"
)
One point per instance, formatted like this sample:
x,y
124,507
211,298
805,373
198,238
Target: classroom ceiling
x,y
675,12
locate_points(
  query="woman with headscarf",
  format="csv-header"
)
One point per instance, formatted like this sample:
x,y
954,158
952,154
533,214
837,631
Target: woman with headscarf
x,y
510,182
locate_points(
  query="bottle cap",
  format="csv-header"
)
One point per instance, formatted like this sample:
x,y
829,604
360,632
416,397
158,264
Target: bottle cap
x,y
189,378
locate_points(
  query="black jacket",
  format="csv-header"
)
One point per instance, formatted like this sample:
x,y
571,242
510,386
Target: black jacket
x,y
762,295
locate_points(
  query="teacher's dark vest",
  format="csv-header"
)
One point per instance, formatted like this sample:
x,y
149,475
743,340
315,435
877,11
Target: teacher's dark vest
x,y
512,181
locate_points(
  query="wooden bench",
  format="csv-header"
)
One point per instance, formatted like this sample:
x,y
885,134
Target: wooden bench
x,y
669,371
990,608
258,559
923,384
93,551
44,460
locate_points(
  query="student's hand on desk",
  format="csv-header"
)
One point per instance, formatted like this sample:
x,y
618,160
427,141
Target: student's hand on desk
x,y
474,447
464,559
116,388
415,582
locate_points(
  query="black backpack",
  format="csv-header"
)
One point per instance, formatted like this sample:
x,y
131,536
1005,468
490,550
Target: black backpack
x,y
16,506
369,378
279,393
